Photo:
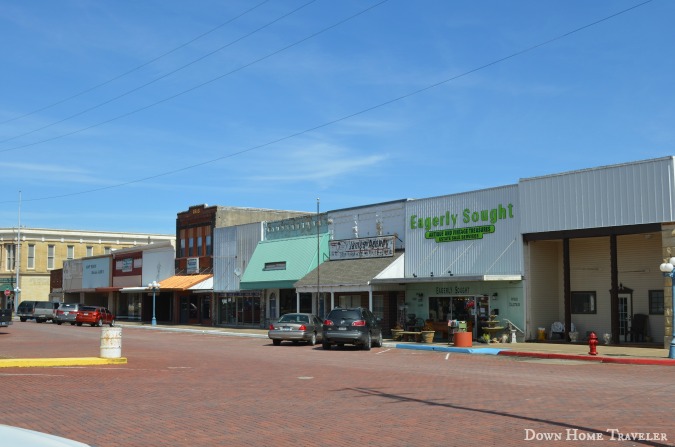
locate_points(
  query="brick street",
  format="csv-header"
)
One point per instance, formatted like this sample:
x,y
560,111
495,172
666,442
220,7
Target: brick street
x,y
205,389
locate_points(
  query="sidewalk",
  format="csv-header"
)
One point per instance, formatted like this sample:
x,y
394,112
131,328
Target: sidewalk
x,y
562,351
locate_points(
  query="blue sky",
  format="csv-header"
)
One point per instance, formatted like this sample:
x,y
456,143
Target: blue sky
x,y
116,115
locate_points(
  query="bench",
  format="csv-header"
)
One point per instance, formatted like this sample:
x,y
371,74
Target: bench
x,y
411,335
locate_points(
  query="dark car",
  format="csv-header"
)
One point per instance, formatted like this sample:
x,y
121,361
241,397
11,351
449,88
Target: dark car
x,y
356,326
67,312
26,310
296,327
95,316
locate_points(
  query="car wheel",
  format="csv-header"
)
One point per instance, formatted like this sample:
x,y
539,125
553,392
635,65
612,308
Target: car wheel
x,y
378,341
79,324
112,323
369,340
37,320
72,324
276,342
22,319
99,323
59,322
312,340
325,345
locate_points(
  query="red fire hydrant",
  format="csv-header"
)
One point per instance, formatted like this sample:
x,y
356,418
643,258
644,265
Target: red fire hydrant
x,y
592,344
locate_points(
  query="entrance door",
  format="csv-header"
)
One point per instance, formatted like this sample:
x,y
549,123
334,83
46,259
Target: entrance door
x,y
625,312
184,310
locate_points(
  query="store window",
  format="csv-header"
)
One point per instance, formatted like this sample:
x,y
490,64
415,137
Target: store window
x,y
656,302
584,303
378,306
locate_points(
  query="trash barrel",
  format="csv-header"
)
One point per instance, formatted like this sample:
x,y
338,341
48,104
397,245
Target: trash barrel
x,y
111,342
463,339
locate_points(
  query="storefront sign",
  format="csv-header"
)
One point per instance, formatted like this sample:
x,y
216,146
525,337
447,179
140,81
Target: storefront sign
x,y
367,247
448,227
192,266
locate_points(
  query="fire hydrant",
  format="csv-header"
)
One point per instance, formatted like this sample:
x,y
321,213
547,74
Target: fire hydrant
x,y
592,344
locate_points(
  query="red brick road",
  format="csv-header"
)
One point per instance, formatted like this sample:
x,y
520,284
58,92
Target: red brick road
x,y
194,389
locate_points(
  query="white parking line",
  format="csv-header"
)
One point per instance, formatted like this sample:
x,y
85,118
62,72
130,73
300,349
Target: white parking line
x,y
382,352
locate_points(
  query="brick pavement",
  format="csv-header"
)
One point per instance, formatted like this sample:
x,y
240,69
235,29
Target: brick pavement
x,y
201,389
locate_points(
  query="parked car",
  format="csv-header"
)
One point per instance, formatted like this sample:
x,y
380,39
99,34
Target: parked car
x,y
357,326
67,312
22,437
296,327
45,311
26,310
95,316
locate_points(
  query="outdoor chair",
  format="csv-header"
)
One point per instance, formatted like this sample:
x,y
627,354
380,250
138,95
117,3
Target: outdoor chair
x,y
638,328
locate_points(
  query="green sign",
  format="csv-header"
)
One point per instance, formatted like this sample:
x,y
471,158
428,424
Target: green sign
x,y
459,234
488,217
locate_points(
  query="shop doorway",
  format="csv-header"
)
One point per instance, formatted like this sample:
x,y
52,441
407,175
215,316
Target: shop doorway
x,y
625,311
195,309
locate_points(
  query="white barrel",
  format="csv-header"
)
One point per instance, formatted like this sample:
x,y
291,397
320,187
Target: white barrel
x,y
111,342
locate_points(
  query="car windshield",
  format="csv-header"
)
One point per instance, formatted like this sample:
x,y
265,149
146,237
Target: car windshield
x,y
68,306
294,318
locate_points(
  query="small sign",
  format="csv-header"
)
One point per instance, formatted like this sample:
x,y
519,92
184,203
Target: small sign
x,y
192,266
367,247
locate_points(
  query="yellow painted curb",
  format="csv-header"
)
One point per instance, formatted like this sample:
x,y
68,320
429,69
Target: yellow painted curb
x,y
72,361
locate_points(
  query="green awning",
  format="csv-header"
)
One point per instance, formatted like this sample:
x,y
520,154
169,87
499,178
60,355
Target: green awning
x,y
278,264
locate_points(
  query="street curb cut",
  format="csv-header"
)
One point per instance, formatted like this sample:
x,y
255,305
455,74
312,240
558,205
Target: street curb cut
x,y
72,361
483,351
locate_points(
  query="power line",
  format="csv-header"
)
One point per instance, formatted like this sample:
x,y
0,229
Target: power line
x,y
115,78
337,120
166,75
210,81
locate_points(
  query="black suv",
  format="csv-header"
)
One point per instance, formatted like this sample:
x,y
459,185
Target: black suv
x,y
26,310
357,326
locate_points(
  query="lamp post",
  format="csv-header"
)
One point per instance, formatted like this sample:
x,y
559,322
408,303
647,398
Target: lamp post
x,y
668,269
155,287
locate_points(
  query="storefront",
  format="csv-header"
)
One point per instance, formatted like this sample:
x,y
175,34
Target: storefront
x,y
271,274
346,279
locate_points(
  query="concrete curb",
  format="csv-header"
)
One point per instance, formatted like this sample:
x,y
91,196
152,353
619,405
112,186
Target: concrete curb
x,y
590,358
67,361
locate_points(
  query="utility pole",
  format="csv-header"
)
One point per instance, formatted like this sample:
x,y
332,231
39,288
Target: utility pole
x,y
17,262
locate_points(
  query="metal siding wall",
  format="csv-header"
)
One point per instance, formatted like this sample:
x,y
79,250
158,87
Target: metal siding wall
x,y
590,265
233,248
639,259
628,194
499,253
545,303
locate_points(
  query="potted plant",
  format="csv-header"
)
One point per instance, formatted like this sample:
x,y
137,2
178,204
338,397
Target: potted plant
x,y
396,332
428,332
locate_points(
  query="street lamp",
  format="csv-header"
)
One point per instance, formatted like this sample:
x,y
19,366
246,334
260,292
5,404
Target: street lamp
x,y
668,269
155,287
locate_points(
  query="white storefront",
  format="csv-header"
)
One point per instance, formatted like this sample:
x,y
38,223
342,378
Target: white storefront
x,y
581,249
